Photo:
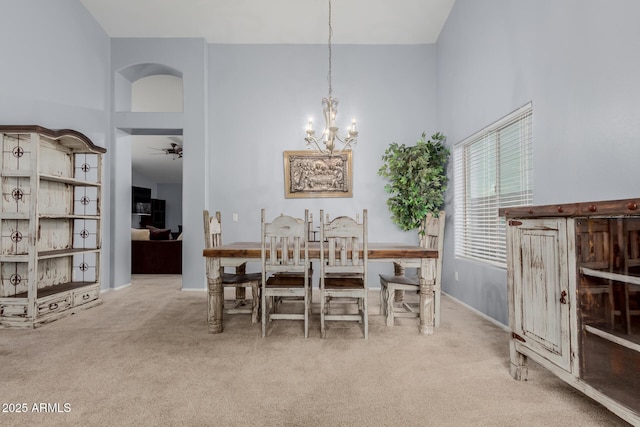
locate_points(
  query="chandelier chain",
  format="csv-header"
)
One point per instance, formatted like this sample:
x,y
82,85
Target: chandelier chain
x,y
330,36
328,141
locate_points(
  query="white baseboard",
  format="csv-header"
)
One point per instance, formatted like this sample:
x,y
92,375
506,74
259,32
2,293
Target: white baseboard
x,y
479,313
126,285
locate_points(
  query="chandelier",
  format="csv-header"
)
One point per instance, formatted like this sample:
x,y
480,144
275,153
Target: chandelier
x,y
326,142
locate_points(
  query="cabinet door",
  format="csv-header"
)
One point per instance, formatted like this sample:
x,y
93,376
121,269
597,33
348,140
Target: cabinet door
x,y
540,288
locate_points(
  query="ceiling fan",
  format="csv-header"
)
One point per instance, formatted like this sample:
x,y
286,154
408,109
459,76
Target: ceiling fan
x,y
174,150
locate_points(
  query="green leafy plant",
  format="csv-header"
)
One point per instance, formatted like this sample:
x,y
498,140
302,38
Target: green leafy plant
x,y
417,179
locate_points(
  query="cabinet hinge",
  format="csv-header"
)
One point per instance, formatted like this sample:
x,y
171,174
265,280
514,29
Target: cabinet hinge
x,y
517,337
514,222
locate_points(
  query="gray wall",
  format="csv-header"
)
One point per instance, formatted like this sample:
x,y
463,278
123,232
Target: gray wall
x,y
55,73
260,99
577,61
172,195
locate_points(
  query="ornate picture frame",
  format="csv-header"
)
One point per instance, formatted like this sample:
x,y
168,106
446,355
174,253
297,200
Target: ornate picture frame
x,y
310,174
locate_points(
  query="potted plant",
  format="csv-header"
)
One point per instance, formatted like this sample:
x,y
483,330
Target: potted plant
x,y
417,179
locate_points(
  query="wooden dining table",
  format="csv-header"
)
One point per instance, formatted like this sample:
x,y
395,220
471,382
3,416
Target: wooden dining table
x,y
235,254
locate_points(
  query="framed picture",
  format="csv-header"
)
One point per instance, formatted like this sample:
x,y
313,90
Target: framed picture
x,y
311,174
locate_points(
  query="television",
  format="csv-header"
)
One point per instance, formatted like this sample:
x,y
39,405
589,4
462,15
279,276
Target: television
x,y
140,200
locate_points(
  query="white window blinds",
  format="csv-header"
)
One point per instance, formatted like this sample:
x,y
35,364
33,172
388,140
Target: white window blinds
x,y
493,169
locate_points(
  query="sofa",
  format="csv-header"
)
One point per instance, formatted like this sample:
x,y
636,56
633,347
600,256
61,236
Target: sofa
x,y
154,252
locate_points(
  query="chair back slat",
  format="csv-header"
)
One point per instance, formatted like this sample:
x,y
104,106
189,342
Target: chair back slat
x,y
431,231
285,239
345,239
212,229
432,237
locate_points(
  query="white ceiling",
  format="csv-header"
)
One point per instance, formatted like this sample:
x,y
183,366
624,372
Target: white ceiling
x,y
275,21
257,22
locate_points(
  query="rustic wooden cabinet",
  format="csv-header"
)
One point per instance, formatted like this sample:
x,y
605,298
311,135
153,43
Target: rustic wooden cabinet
x,y
50,224
573,274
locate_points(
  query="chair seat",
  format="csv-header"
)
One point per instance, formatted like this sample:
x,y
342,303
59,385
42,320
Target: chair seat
x,y
292,274
285,281
403,280
344,282
231,279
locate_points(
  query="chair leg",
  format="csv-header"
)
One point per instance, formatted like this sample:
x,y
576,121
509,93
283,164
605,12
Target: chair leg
x,y
306,314
264,314
323,332
255,302
240,293
390,297
365,314
383,299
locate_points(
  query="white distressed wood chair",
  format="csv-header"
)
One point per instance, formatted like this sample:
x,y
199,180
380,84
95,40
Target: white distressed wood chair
x,y
432,237
240,280
285,267
343,270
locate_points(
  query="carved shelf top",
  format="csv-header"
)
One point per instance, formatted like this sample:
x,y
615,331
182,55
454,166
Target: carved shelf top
x,y
67,137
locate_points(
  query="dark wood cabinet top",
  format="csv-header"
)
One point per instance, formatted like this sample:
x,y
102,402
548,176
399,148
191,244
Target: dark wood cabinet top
x,y
605,207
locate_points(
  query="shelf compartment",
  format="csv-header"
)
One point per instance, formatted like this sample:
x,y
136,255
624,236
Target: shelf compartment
x,y
63,287
61,237
610,363
55,198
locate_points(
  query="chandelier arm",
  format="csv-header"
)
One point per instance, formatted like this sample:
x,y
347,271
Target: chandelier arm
x,y
313,142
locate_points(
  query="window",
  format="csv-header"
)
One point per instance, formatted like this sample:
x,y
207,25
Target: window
x,y
492,170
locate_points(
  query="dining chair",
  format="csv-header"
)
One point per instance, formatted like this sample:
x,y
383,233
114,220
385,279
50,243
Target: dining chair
x,y
240,280
431,236
285,268
343,271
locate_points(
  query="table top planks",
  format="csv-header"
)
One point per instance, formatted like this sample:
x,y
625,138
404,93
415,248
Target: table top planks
x,y
375,251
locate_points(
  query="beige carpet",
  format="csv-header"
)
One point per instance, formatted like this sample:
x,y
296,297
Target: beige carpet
x,y
145,358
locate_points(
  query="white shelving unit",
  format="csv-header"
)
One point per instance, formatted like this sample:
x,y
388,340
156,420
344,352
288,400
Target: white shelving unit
x,y
50,225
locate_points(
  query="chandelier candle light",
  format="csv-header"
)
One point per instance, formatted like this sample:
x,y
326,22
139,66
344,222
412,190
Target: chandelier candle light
x,y
326,143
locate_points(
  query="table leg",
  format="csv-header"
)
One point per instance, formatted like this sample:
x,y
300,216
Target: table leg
x,y
241,292
426,308
216,296
426,300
